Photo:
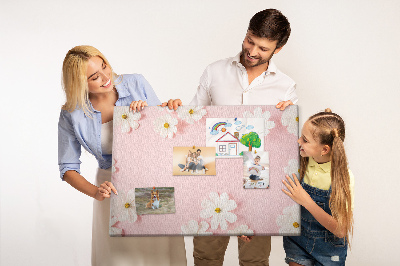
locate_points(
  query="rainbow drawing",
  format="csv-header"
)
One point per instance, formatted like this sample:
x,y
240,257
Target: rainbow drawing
x,y
217,125
254,169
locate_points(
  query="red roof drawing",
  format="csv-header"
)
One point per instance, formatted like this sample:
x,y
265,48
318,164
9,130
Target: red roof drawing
x,y
235,139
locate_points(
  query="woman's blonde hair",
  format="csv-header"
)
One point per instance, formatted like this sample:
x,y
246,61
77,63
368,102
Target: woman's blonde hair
x,y
74,79
329,129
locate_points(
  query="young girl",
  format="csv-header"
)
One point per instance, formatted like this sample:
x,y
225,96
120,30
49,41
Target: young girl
x,y
325,194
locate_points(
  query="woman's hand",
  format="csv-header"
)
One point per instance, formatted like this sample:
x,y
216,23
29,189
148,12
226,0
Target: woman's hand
x,y
172,104
246,239
283,105
137,105
104,191
296,191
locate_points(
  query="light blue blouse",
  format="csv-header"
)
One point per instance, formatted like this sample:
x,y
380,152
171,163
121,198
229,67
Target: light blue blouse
x,y
75,129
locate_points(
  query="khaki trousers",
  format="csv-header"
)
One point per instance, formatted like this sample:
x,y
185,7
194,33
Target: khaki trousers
x,y
210,250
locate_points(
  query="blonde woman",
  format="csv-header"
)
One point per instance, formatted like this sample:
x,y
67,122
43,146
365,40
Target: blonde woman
x,y
92,90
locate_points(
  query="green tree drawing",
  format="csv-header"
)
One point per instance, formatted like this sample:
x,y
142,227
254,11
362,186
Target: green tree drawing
x,y
251,140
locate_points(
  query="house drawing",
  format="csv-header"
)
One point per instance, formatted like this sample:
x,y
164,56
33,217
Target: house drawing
x,y
227,145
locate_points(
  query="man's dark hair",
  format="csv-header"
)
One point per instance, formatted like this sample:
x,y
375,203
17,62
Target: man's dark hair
x,y
270,24
199,150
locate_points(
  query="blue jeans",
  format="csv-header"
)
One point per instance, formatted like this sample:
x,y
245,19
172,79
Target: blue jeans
x,y
315,245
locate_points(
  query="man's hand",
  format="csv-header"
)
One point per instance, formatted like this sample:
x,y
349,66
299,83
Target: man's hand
x,y
283,105
246,239
172,104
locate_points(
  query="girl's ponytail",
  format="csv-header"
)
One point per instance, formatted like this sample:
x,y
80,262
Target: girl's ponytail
x,y
340,200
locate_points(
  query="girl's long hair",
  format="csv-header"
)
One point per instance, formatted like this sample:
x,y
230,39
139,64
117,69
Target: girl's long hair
x,y
329,129
74,79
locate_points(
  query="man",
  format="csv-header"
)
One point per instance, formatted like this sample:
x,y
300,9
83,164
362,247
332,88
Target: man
x,y
249,78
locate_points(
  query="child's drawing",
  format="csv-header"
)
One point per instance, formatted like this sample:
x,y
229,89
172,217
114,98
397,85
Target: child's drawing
x,y
233,136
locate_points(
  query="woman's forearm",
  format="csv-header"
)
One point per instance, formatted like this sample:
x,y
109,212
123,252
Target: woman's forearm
x,y
80,183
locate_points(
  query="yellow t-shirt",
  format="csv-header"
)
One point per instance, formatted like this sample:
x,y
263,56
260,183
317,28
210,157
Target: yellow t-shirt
x,y
319,175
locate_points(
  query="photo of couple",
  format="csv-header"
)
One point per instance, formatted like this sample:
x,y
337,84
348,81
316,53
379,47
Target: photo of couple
x,y
198,161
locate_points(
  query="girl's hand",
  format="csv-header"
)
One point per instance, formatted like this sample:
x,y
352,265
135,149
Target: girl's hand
x,y
246,239
104,191
283,105
137,105
172,104
296,191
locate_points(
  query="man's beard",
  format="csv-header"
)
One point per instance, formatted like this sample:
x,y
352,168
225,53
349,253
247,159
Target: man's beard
x,y
260,61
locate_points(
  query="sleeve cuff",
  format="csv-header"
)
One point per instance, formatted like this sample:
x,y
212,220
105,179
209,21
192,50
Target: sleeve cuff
x,y
64,168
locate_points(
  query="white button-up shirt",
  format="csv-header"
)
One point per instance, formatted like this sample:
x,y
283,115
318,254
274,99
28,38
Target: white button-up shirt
x,y
226,82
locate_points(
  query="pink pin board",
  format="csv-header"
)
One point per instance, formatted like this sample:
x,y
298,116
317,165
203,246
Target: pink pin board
x,y
188,172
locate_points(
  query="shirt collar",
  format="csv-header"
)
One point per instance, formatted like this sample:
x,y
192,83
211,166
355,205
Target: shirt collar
x,y
326,167
272,68
236,59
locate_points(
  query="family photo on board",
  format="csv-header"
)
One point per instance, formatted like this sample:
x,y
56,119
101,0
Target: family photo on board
x,y
198,161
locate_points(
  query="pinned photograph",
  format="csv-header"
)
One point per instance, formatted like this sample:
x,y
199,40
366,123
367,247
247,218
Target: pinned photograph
x,y
256,170
155,200
194,161
233,136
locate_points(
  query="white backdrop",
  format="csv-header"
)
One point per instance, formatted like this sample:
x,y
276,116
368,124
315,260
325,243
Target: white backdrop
x,y
343,55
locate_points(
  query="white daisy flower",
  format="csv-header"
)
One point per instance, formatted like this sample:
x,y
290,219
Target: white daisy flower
x,y
242,230
289,221
193,228
290,119
114,231
218,208
166,126
128,120
191,113
259,114
125,206
293,167
268,125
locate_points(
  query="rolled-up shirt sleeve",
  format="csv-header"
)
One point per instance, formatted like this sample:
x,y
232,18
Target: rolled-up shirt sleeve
x,y
69,149
202,96
291,94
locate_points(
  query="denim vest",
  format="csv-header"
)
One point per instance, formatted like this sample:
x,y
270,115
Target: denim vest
x,y
323,246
